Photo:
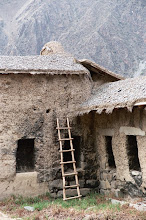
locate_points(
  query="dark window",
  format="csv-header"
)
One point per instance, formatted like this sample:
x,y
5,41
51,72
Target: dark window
x,y
77,153
132,152
25,155
108,144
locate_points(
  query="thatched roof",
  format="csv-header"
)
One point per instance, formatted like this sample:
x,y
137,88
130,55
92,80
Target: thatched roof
x,y
120,94
51,64
94,67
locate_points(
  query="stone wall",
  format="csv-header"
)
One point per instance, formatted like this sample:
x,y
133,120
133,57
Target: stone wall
x,y
121,180
87,171
95,172
30,105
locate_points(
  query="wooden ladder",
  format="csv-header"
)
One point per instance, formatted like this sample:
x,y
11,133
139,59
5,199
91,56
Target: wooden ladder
x,y
71,150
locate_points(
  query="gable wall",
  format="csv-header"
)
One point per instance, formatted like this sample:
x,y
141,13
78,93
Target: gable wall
x,y
99,79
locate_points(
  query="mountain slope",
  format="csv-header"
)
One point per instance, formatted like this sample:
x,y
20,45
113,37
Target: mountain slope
x,y
110,33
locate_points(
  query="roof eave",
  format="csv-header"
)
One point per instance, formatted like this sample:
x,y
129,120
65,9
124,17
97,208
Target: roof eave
x,y
91,66
109,108
47,72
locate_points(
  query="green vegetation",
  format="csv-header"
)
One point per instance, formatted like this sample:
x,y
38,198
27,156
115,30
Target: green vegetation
x,y
39,202
91,202
49,208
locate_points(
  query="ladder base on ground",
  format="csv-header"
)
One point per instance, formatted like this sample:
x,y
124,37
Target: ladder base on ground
x,y
74,197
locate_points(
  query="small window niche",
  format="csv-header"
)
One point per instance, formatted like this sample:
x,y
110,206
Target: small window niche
x,y
109,150
25,156
132,152
77,153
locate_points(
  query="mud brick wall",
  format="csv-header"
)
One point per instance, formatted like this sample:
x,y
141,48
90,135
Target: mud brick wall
x,y
29,106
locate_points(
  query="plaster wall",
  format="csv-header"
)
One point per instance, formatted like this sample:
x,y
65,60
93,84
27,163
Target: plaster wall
x,y
29,107
25,184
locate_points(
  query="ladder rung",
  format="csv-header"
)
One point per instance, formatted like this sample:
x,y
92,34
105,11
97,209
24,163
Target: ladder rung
x,y
68,162
63,151
74,197
69,174
59,128
72,186
65,139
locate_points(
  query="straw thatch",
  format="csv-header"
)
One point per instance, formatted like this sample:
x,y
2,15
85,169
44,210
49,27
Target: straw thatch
x,y
94,67
52,64
120,94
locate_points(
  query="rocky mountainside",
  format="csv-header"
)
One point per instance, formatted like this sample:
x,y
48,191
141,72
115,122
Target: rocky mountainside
x,y
109,32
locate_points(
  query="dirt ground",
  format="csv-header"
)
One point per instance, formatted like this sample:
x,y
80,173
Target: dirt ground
x,y
55,212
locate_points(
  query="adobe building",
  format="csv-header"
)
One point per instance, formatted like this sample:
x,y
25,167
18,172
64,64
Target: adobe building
x,y
107,115
116,114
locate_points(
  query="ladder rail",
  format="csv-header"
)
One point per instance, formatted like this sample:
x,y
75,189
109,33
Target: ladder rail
x,y
62,167
73,158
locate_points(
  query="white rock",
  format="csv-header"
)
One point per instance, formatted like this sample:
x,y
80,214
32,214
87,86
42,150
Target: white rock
x,y
141,207
29,208
116,202
135,173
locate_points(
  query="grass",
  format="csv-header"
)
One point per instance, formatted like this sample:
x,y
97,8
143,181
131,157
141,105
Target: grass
x,y
39,202
93,203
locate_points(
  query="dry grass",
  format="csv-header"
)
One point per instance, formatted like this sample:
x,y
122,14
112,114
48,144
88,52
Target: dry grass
x,y
93,206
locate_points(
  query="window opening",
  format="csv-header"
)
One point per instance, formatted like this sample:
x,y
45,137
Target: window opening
x,y
132,152
77,153
111,160
25,155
